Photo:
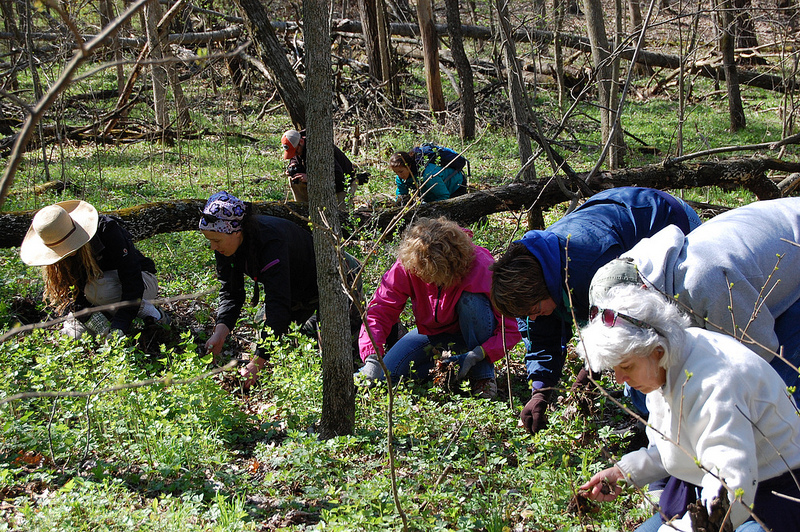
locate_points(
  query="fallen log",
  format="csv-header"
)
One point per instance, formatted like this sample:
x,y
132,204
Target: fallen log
x,y
145,221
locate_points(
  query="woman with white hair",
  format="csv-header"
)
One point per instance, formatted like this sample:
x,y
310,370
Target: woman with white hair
x,y
719,414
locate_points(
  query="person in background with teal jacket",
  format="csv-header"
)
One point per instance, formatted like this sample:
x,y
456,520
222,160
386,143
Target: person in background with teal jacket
x,y
417,170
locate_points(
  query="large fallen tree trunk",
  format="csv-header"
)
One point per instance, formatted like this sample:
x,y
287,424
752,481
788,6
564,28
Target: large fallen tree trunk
x,y
152,219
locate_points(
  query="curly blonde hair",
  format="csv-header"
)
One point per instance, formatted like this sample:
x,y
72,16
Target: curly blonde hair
x,y
64,279
437,250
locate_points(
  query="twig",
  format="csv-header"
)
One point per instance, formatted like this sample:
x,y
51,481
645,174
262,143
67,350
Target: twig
x,y
89,418
793,139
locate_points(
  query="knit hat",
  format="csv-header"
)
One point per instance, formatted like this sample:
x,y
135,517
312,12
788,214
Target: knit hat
x,y
290,141
57,231
618,271
223,213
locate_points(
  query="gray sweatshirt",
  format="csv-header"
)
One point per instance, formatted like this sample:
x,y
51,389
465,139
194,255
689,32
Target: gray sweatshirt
x,y
737,272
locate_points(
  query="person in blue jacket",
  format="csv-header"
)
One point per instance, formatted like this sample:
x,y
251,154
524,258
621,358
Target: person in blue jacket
x,y
543,279
415,171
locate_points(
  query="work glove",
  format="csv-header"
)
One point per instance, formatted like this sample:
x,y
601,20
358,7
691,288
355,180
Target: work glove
x,y
582,379
534,415
372,368
467,361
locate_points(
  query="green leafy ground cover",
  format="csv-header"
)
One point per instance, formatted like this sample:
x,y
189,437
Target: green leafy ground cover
x,y
202,456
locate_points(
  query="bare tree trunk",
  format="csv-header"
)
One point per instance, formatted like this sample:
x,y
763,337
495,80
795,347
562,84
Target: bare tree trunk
x,y
466,83
559,13
616,153
377,42
387,53
369,24
520,108
600,53
788,11
338,392
273,55
184,120
107,15
9,21
158,70
743,26
148,220
37,85
726,45
430,49
684,81
635,9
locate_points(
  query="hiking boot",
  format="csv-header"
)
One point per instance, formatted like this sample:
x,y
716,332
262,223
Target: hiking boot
x,y
484,388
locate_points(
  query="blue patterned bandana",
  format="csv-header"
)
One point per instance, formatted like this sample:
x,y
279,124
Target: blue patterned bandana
x,y
223,213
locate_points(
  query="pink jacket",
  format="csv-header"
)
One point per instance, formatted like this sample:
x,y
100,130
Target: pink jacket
x,y
434,308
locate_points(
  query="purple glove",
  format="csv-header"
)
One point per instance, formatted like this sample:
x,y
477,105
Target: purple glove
x,y
534,415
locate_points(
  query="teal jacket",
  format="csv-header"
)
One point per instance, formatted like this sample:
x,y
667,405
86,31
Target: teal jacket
x,y
435,183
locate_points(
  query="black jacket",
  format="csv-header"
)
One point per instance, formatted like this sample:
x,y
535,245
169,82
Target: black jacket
x,y
279,254
342,166
113,249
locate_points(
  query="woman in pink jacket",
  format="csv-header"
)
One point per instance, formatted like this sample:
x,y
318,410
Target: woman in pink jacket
x,y
448,280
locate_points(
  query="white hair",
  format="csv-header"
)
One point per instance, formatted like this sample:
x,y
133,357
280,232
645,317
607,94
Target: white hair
x,y
603,347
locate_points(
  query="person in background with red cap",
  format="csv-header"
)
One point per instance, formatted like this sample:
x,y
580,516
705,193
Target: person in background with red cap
x,y
294,149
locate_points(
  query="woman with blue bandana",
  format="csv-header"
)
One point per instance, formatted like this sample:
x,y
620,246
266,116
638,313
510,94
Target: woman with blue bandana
x,y
276,253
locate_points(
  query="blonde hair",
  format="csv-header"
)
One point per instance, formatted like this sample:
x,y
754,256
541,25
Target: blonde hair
x,y
438,251
64,279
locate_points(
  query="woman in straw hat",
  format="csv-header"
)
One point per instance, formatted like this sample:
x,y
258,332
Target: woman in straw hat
x,y
89,260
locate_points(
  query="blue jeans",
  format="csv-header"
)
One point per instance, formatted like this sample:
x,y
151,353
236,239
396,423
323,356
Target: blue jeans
x,y
412,355
654,523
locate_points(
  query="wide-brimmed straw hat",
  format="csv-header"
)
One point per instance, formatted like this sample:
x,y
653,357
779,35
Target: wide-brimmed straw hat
x,y
58,230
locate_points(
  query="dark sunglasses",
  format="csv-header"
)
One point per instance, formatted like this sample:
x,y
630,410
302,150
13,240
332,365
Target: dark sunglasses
x,y
608,317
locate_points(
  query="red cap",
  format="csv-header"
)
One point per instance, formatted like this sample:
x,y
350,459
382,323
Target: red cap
x,y
290,141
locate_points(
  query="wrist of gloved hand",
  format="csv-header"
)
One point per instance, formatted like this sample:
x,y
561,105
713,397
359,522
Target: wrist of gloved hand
x,y
98,324
534,414
372,368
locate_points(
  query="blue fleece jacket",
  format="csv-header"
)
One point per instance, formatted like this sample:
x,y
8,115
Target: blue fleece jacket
x,y
573,249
